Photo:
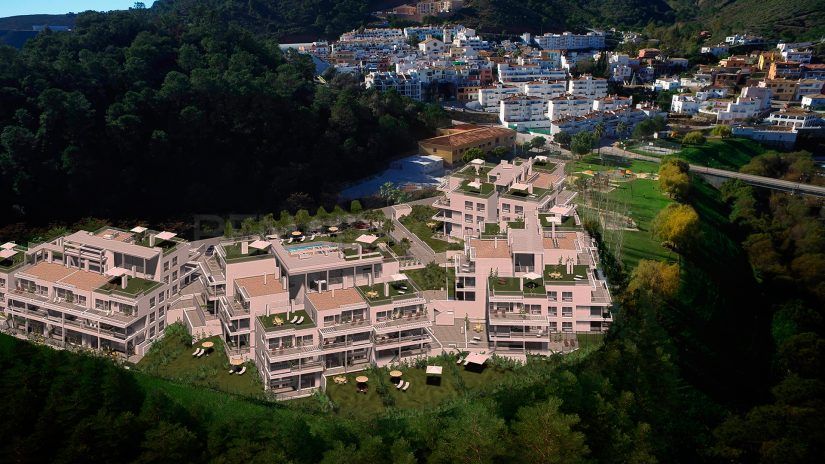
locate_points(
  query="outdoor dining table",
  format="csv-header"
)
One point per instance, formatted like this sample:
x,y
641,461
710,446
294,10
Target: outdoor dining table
x,y
207,345
362,379
297,233
396,375
236,363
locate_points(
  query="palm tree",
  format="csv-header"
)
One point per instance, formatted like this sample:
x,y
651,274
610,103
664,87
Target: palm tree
x,y
387,227
598,132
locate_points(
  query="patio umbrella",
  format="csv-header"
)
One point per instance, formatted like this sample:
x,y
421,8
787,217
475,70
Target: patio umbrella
x,y
532,276
297,233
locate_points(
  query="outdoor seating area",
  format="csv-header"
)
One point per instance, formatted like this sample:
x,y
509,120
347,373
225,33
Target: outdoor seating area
x,y
412,386
288,320
204,349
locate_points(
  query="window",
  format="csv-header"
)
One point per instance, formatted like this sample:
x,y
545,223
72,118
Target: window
x,y
553,296
175,261
567,311
566,296
567,326
161,296
161,311
480,207
535,309
165,266
552,311
151,332
505,207
152,302
519,210
161,325
554,327
151,317
175,275
468,205
468,218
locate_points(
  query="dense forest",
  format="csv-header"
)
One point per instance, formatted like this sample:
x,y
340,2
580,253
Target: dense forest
x,y
138,113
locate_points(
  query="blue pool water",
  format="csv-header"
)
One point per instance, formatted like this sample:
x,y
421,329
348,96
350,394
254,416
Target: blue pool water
x,y
305,247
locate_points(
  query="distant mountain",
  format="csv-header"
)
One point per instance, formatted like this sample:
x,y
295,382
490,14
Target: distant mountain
x,y
25,22
307,19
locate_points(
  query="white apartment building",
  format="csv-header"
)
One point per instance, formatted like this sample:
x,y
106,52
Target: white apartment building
x,y
813,102
373,33
510,73
407,85
568,105
665,84
588,86
763,94
794,117
545,89
612,103
685,104
490,97
523,112
799,56
431,46
570,41
738,111
808,87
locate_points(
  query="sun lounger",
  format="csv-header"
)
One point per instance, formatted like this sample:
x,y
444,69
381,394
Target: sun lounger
x,y
202,352
312,237
290,240
231,371
399,385
195,353
243,369
300,320
460,360
466,362
406,386
477,338
303,237
293,320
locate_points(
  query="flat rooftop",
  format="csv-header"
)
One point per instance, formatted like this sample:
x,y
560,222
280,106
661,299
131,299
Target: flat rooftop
x,y
491,248
259,286
60,274
333,299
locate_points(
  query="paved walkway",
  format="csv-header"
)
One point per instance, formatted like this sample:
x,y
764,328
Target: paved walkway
x,y
418,249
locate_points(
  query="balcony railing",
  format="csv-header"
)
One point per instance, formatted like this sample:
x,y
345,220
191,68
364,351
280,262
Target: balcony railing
x,y
379,341
508,316
399,323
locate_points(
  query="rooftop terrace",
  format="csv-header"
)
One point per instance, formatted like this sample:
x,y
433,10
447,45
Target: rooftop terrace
x,y
377,294
556,274
279,321
134,286
484,189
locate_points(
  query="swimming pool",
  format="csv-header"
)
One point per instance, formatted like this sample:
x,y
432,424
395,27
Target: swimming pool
x,y
305,247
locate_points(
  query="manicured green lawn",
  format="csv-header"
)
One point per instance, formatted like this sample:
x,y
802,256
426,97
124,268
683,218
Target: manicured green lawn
x,y
173,360
730,154
644,201
593,163
417,224
455,381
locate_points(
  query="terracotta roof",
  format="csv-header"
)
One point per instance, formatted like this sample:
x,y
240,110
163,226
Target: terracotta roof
x,y
491,248
470,136
60,274
333,299
255,285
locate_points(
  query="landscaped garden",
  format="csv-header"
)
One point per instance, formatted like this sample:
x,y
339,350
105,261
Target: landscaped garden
x,y
134,286
420,223
381,392
171,358
280,321
433,277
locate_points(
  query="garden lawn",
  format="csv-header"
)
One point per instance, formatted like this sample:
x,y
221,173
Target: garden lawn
x,y
644,201
455,381
171,359
730,154
593,163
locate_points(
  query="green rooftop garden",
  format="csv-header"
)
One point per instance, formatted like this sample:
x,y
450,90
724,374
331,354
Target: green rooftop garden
x,y
469,171
566,222
513,285
13,262
375,294
166,245
492,228
134,286
279,321
538,192
516,224
486,189
544,166
557,274
233,253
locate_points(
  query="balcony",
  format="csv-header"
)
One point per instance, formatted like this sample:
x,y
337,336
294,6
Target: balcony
x,y
280,321
291,352
327,345
381,294
503,318
384,341
295,366
347,327
135,287
395,324
543,335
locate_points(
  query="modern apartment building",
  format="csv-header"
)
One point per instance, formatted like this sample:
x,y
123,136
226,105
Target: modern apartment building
x,y
407,85
523,112
570,41
588,86
104,290
510,73
528,271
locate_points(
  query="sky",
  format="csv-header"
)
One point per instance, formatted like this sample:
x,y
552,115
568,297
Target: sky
x,y
24,7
